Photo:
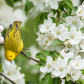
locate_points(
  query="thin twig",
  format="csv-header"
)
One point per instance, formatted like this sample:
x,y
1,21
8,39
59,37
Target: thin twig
x,y
26,55
30,57
7,78
64,11
1,43
58,16
26,49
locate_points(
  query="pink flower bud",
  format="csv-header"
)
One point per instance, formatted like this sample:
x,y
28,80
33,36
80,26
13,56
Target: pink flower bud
x,y
1,39
1,28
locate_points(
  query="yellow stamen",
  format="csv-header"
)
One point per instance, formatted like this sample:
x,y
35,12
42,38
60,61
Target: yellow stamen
x,y
72,36
74,22
58,32
61,69
48,65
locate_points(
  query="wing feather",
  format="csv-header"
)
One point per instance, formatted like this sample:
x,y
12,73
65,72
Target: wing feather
x,y
13,39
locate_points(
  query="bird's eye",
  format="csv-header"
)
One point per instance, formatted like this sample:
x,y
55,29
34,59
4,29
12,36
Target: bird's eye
x,y
10,55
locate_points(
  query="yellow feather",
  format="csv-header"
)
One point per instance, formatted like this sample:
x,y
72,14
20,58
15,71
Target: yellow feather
x,y
13,44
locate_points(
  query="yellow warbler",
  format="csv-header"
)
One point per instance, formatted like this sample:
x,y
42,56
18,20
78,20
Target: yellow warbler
x,y
13,44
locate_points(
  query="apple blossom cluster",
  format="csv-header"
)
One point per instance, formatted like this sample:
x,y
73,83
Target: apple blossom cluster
x,y
67,37
43,4
67,65
69,33
11,71
1,38
47,5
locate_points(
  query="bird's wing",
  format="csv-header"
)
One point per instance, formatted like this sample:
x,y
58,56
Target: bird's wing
x,y
13,40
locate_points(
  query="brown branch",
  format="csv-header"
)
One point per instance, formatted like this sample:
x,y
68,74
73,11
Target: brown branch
x,y
64,11
26,49
7,78
1,43
26,55
58,16
30,57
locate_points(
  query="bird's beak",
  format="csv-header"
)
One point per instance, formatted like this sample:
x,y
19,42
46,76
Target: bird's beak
x,y
11,61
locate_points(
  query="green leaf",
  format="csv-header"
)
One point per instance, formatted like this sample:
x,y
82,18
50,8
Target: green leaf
x,y
52,54
64,15
83,71
47,79
46,52
36,66
29,54
75,9
68,82
31,82
9,2
39,20
69,59
28,6
68,77
41,56
56,80
80,81
53,19
39,65
60,12
67,8
69,3
57,42
0,67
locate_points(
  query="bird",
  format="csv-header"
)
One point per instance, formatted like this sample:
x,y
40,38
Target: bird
x,y
13,43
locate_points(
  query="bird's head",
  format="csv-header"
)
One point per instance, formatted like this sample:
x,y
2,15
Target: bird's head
x,y
10,55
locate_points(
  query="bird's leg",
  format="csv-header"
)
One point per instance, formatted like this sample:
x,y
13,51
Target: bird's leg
x,y
26,49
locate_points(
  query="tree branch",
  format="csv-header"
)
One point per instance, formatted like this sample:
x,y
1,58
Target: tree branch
x,y
7,78
30,57
26,55
1,43
58,16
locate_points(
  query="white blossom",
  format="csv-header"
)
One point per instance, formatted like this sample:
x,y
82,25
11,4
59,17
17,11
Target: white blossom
x,y
66,55
48,67
77,62
75,74
59,32
53,3
38,3
71,48
76,2
60,69
1,39
13,72
74,36
45,40
47,26
1,28
74,21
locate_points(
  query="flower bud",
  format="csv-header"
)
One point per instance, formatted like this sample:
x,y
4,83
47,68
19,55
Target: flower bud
x,y
1,28
1,39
